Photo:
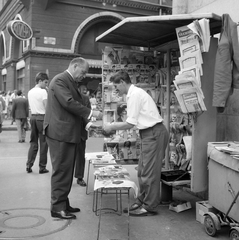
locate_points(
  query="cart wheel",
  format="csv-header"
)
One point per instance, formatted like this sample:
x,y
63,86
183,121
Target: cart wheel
x,y
234,235
209,226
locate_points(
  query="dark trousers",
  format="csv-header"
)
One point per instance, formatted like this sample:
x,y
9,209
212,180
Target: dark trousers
x,y
80,160
63,156
154,142
36,134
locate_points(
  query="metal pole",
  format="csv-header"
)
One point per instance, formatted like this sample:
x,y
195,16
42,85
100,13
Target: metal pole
x,y
168,104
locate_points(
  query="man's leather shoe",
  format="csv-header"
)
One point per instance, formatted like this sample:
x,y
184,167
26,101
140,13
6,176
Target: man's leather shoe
x,y
71,209
81,182
29,169
141,212
63,215
133,207
43,171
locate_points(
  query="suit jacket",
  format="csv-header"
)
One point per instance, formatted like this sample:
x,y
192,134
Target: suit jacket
x,y
226,75
20,108
65,110
86,102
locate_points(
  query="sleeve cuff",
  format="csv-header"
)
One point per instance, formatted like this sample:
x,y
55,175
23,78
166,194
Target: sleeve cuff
x,y
90,115
131,121
88,126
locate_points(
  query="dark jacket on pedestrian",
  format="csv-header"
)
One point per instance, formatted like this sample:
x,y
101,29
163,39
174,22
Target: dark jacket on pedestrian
x,y
20,108
86,102
63,122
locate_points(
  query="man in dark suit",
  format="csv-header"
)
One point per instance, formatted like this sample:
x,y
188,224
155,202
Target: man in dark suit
x,y
20,112
62,126
80,161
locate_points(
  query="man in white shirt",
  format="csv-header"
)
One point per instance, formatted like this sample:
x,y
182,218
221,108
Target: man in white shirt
x,y
142,112
37,98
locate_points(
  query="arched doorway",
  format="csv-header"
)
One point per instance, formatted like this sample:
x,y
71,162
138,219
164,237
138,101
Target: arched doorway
x,y
86,46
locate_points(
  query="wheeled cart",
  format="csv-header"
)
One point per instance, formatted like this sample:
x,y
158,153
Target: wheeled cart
x,y
223,191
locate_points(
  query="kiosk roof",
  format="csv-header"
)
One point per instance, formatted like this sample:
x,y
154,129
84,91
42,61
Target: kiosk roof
x,y
152,31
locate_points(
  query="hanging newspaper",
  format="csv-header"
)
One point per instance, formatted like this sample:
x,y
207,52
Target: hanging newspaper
x,y
195,71
193,59
189,93
202,30
187,40
190,100
187,80
193,37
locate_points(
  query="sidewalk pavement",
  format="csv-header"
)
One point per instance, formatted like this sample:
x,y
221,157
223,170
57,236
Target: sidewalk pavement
x,y
25,202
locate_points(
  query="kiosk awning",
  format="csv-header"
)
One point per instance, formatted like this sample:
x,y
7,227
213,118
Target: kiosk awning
x,y
154,31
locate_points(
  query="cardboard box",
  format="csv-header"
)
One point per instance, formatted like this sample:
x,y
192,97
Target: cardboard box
x,y
203,207
179,207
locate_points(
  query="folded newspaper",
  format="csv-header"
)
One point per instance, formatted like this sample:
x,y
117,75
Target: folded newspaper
x,y
202,29
187,80
188,40
193,37
189,93
190,100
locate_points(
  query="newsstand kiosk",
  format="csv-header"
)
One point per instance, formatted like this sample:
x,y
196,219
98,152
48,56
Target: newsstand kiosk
x,y
158,34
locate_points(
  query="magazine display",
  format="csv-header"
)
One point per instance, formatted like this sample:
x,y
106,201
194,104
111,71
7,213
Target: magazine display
x,y
142,68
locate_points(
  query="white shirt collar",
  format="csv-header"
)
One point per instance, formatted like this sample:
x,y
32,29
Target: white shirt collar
x,y
131,88
69,73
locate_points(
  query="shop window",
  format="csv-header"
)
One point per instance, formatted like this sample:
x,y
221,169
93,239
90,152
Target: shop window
x,y
4,81
20,78
25,45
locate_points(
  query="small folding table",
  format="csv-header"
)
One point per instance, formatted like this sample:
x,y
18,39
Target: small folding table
x,y
112,180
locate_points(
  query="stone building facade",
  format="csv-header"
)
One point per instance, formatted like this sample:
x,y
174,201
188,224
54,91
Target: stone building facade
x,y
62,30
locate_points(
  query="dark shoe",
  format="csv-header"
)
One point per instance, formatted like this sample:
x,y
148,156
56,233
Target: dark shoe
x,y
81,182
23,140
63,215
71,209
29,169
141,212
43,171
20,141
133,207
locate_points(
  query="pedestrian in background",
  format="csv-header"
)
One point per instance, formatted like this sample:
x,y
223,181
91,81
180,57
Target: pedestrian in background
x,y
142,112
8,104
20,112
13,96
62,125
80,159
37,98
2,108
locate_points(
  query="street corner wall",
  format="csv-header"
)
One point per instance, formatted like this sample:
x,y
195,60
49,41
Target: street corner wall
x,y
218,7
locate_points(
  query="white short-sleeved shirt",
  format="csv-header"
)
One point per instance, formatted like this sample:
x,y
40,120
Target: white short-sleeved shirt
x,y
35,98
141,109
